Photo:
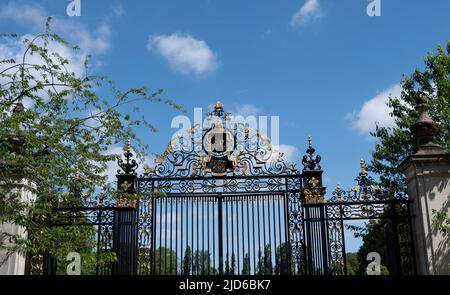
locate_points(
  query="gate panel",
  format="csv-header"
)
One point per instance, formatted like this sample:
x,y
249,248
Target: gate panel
x,y
255,239
216,234
125,241
316,239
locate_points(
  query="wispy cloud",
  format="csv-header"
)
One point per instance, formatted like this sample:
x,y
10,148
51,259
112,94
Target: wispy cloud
x,y
291,154
374,110
33,16
184,53
308,12
245,110
118,10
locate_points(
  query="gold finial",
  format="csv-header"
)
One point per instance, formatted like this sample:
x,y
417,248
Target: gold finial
x,y
218,107
309,141
128,145
363,167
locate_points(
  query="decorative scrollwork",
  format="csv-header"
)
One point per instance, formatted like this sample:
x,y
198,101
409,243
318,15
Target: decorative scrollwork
x,y
221,148
365,190
130,165
311,161
313,194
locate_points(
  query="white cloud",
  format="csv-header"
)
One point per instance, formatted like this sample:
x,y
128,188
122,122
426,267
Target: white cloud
x,y
291,154
374,110
184,53
15,49
23,13
245,110
35,16
308,12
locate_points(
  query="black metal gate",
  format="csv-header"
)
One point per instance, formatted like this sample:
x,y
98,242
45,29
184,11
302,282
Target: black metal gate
x,y
223,201
215,234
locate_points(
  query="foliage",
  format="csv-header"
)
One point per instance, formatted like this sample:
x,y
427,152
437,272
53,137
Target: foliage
x,y
352,263
373,237
246,265
396,143
65,128
187,261
441,222
166,261
281,260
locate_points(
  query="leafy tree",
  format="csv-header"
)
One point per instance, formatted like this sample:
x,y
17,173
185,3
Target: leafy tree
x,y
281,260
202,263
166,261
268,269
374,239
54,124
264,265
246,265
260,264
352,263
233,264
187,261
396,143
441,222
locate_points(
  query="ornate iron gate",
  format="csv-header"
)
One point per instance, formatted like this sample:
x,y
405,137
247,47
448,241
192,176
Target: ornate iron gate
x,y
195,234
223,201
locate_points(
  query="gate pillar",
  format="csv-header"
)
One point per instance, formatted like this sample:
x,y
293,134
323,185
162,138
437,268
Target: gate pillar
x,y
428,182
18,187
314,215
126,217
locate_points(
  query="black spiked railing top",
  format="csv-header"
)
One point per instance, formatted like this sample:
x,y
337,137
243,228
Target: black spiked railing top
x,y
128,165
310,160
363,179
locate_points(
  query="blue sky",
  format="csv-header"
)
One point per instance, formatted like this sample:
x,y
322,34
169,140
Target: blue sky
x,y
324,67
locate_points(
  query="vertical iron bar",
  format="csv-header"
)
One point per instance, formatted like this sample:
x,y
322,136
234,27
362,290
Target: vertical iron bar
x,y
259,235
279,233
197,258
192,235
153,254
248,238
268,228
274,231
220,234
243,233
99,250
181,236
232,234
214,231
227,216
165,236
237,235
341,220
253,233
208,221
203,237
160,235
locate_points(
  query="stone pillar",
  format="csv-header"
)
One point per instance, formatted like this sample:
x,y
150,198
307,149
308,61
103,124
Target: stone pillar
x,y
428,182
14,263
